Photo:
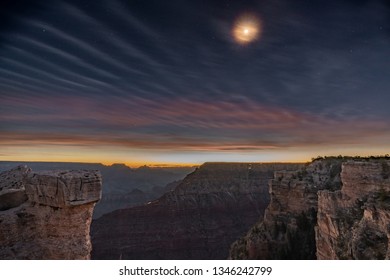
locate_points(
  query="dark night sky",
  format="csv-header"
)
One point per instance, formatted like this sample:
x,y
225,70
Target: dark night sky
x,y
156,81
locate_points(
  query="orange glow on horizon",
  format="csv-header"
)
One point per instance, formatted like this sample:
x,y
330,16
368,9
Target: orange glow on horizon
x,y
153,164
131,164
136,164
134,158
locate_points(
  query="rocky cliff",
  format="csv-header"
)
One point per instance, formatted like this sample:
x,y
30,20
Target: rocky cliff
x,y
199,219
124,187
354,222
335,208
47,214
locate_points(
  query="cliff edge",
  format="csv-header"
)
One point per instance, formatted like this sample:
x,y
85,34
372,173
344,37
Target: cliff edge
x,y
47,214
334,208
354,222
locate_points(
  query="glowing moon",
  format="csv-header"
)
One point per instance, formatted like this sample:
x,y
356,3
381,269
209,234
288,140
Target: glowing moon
x,y
246,29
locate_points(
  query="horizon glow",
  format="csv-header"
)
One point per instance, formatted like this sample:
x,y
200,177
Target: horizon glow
x,y
179,83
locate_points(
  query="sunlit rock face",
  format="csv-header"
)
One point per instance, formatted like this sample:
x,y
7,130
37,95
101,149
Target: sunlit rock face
x,y
199,219
47,215
335,208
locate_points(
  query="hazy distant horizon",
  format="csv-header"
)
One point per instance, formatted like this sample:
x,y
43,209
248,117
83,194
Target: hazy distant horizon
x,y
162,165
170,165
151,165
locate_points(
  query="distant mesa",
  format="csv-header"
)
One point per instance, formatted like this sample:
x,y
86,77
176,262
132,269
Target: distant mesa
x,y
120,166
144,167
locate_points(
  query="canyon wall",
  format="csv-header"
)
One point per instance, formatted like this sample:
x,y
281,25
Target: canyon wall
x,y
354,222
47,214
335,208
199,219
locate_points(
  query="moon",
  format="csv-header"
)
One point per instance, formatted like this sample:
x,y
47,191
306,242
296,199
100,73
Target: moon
x,y
246,29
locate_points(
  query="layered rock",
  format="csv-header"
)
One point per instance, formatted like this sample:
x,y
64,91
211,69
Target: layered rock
x,y
335,208
287,230
354,222
47,215
199,219
124,187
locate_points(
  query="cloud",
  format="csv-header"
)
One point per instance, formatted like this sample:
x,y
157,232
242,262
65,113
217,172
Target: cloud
x,y
180,124
130,76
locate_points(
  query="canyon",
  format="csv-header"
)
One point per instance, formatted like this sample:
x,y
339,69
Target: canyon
x,y
47,214
124,186
198,219
332,208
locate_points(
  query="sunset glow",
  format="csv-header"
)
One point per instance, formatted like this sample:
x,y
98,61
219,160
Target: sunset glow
x,y
179,83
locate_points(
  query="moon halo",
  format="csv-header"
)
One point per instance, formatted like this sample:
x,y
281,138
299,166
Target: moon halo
x,y
246,29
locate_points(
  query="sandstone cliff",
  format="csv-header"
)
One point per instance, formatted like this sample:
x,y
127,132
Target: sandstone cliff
x,y
47,214
335,208
354,223
199,219
124,187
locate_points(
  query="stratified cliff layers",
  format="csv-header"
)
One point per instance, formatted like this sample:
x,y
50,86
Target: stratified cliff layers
x,y
335,208
199,219
47,214
354,223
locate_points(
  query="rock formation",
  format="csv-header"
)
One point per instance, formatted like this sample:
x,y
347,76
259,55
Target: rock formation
x,y
354,222
124,187
199,219
287,230
47,214
335,208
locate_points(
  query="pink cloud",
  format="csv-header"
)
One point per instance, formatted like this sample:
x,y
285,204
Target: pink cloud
x,y
192,124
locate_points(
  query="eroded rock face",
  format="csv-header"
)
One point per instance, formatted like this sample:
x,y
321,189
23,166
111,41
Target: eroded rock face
x,y
199,219
354,223
287,230
12,190
47,215
335,208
